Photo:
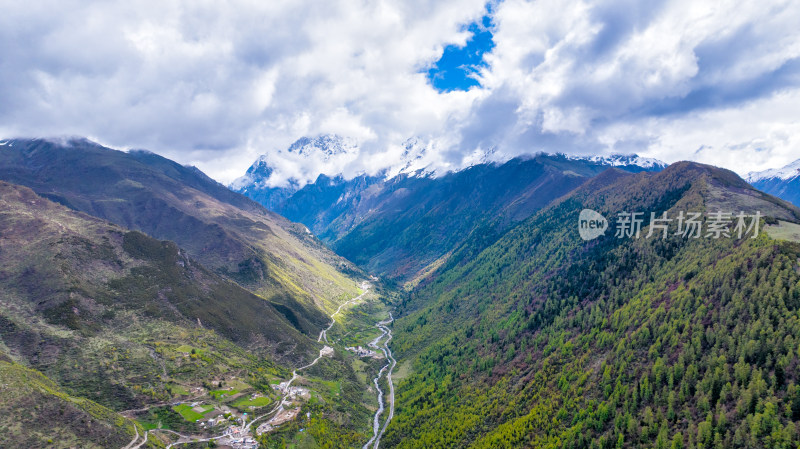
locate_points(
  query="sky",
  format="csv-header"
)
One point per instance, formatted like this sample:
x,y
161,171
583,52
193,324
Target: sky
x,y
216,84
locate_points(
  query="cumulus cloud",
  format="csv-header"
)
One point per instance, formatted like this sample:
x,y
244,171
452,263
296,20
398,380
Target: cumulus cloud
x,y
216,85
661,78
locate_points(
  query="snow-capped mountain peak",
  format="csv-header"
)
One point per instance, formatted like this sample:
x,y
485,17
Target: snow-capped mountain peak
x,y
326,145
786,173
624,160
414,160
299,164
276,175
257,174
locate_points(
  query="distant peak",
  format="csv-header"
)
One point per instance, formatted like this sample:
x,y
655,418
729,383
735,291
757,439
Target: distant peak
x,y
31,145
140,151
301,163
785,173
326,144
60,140
66,141
623,160
332,155
413,160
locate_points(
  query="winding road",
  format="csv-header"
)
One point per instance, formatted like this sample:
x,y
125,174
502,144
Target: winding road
x,y
325,351
324,334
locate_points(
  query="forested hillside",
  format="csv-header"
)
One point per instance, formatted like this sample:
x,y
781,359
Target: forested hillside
x,y
546,340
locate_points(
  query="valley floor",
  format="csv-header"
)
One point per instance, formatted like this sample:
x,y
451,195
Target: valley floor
x,y
343,398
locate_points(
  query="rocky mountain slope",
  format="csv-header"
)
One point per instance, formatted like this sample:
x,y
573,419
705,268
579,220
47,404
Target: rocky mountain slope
x,y
75,286
110,316
222,230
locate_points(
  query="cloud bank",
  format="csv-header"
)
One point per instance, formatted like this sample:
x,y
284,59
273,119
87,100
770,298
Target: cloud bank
x,y
216,85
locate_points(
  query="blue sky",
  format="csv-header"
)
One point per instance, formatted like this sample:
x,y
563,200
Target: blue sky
x,y
459,64
218,84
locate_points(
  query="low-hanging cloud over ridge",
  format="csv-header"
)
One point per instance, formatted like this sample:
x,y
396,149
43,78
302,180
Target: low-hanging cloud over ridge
x,y
216,85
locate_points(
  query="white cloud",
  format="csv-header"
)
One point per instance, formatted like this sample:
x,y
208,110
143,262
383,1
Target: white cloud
x,y
216,85
727,137
660,79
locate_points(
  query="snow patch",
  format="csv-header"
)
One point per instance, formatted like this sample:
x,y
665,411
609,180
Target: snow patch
x,y
415,160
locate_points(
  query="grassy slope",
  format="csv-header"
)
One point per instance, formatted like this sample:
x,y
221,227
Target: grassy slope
x,y
35,413
222,230
109,313
543,340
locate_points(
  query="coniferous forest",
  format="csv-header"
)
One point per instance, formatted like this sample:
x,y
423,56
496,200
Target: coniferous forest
x,y
543,340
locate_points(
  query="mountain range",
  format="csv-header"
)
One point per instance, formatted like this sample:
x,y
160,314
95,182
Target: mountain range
x,y
226,232
143,303
517,333
402,225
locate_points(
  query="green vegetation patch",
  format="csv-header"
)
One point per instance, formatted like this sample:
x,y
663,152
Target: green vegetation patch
x,y
260,401
221,394
186,349
167,418
188,412
176,389
784,230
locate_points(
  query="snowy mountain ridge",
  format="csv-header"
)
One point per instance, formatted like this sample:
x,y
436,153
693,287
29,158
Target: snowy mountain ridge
x,y
785,173
308,157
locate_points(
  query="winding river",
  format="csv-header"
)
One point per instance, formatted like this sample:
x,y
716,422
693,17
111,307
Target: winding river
x,y
377,429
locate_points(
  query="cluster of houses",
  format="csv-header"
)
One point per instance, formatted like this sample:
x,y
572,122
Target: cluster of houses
x,y
293,392
211,422
238,438
281,417
244,443
364,352
285,413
